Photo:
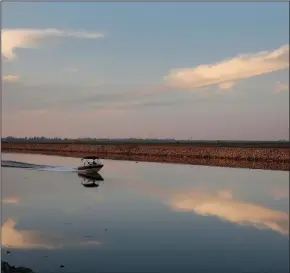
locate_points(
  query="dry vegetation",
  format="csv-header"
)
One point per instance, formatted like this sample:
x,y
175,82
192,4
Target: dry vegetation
x,y
264,158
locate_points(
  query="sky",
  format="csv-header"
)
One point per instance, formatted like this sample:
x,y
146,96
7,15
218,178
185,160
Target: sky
x,y
148,70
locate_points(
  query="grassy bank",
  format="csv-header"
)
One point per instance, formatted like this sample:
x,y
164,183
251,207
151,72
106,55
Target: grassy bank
x,y
250,157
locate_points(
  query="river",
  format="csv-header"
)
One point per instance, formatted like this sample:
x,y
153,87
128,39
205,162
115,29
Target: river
x,y
143,217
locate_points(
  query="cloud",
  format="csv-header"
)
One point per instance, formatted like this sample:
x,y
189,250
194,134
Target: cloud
x,y
33,38
226,85
280,87
21,96
226,72
10,78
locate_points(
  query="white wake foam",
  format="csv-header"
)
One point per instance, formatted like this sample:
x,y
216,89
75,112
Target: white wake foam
x,y
57,169
36,167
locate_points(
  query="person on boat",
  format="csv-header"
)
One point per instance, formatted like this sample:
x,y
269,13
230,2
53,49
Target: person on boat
x,y
89,163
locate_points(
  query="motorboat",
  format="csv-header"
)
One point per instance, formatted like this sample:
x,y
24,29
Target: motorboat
x,y
91,165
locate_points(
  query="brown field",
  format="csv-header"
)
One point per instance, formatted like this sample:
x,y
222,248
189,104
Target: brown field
x,y
238,157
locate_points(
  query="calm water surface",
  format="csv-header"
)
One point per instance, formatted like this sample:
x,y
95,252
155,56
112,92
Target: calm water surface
x,y
145,217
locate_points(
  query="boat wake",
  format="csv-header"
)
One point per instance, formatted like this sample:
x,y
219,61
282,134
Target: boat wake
x,y
47,168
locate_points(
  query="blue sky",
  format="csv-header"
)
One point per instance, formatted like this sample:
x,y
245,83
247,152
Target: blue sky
x,y
141,44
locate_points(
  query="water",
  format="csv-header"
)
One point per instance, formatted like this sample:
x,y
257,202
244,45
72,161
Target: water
x,y
144,217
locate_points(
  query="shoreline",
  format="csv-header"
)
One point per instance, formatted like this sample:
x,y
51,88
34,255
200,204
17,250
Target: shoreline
x,y
7,268
234,157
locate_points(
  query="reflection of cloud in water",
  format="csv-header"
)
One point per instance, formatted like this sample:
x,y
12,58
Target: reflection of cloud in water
x,y
226,194
10,200
234,211
221,205
90,243
21,238
14,238
280,194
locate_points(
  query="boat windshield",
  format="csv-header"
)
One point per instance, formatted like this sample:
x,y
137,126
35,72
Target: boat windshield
x,y
92,162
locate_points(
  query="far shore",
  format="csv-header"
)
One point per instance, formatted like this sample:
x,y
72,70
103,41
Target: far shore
x,y
274,158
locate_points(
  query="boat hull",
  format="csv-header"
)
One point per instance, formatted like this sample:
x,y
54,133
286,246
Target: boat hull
x,y
89,170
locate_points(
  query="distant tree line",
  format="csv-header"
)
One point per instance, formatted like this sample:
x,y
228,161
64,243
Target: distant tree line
x,y
103,141
32,139
58,139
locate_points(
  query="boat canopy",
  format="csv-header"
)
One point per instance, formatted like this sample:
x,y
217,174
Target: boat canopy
x,y
90,157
